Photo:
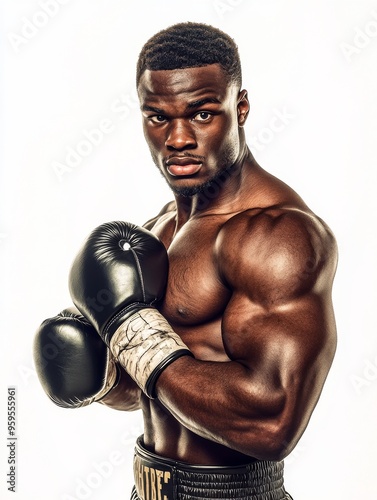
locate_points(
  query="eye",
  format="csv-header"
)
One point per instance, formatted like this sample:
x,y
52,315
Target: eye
x,y
203,116
157,118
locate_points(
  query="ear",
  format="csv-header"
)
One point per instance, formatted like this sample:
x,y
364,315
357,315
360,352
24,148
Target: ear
x,y
243,107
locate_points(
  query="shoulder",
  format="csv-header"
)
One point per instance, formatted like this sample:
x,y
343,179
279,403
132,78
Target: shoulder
x,y
166,210
277,247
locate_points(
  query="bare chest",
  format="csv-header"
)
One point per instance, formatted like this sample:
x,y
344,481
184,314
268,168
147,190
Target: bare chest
x,y
195,297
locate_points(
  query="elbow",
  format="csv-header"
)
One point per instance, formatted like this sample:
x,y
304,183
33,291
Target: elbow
x,y
275,446
270,442
272,435
277,449
280,441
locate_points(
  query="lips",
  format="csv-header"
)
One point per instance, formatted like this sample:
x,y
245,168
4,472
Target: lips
x,y
183,166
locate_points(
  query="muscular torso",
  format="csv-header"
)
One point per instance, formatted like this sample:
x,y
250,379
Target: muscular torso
x,y
194,303
249,292
195,300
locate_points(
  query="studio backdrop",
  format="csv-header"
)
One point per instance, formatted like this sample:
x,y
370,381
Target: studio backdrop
x,y
74,156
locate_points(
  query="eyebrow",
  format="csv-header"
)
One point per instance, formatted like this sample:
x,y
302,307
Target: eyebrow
x,y
191,105
159,111
200,102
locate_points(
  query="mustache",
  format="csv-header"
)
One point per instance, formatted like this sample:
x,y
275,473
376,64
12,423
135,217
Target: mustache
x,y
185,155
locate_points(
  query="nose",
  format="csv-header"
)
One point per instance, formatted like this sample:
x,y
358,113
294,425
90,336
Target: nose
x,y
180,136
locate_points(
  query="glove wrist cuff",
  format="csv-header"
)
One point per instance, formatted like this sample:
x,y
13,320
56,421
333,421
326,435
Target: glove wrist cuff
x,y
145,344
120,318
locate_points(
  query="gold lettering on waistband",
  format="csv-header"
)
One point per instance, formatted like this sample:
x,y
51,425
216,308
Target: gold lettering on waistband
x,y
149,481
146,474
153,485
159,475
167,477
138,469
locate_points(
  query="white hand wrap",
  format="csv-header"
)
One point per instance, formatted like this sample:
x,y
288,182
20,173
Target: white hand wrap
x,y
144,345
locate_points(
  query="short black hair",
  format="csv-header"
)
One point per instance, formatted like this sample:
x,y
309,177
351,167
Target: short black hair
x,y
190,45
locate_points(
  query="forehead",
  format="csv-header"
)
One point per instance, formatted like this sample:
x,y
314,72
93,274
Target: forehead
x,y
184,83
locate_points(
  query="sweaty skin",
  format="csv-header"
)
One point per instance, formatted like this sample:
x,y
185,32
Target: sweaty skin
x,y
249,288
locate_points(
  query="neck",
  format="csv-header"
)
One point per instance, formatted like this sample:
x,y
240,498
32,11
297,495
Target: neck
x,y
223,196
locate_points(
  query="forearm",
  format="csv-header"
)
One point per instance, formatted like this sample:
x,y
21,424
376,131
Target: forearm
x,y
226,403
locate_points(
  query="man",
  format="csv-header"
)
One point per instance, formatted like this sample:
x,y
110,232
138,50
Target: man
x,y
243,327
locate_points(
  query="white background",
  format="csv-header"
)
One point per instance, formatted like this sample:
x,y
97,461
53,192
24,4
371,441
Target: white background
x,y
67,71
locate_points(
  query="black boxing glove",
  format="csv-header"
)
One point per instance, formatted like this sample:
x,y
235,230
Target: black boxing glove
x,y
73,364
116,281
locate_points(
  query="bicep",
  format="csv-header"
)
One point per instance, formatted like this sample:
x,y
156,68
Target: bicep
x,y
288,350
283,343
279,322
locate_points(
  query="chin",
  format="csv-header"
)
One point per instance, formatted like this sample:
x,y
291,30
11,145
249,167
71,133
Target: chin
x,y
187,191
209,188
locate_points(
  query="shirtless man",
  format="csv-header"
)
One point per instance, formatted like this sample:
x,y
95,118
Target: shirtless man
x,y
227,352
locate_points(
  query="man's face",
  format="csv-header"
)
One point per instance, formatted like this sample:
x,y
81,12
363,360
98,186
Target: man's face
x,y
191,120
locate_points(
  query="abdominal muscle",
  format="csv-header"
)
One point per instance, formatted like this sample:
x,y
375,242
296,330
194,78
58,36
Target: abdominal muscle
x,y
167,437
194,304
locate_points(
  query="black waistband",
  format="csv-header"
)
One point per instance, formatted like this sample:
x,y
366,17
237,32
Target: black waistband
x,y
157,478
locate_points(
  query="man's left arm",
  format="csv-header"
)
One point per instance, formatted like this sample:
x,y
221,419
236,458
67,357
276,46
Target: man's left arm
x,y
278,331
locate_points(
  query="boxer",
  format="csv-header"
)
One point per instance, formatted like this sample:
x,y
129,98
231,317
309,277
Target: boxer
x,y
219,310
